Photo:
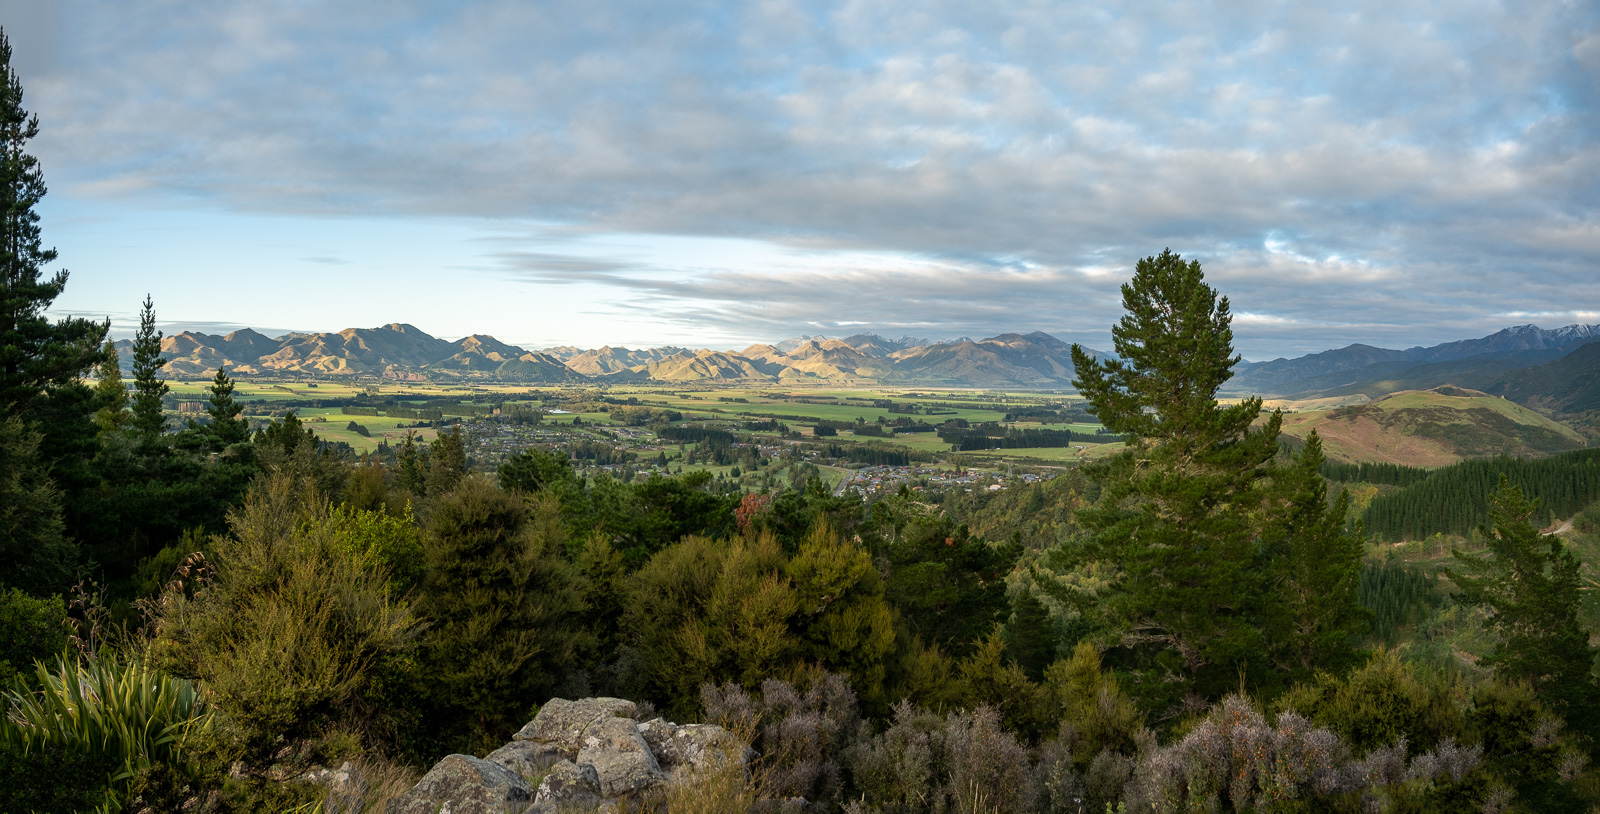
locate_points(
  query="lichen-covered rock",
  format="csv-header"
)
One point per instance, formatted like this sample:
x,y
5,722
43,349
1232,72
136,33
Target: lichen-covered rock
x,y
462,784
620,757
568,784
691,747
561,723
347,788
526,758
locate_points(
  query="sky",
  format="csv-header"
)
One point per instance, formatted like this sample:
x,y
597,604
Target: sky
x,y
711,174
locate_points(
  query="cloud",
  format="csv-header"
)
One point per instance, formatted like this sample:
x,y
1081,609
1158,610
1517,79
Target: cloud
x,y
1360,171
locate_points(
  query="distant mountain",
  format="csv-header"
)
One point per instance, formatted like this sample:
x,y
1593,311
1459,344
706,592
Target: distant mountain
x,y
1510,340
1570,384
1374,372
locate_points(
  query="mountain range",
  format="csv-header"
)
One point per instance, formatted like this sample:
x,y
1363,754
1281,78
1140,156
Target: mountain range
x,y
1479,364
1555,368
404,353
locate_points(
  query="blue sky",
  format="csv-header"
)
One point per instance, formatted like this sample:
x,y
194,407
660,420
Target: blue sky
x,y
715,174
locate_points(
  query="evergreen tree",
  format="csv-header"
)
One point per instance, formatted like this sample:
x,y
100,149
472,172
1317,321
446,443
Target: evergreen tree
x,y
1530,584
148,391
35,355
38,557
503,605
409,465
1176,515
226,427
110,393
448,460
1030,636
1314,565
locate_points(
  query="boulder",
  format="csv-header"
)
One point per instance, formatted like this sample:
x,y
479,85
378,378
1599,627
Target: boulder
x,y
620,757
561,723
698,746
568,784
462,784
526,758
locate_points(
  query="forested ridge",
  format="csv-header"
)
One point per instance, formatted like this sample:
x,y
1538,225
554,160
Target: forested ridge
x,y
200,617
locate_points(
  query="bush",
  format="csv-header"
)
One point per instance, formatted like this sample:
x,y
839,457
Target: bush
x,y
30,630
800,735
52,778
295,632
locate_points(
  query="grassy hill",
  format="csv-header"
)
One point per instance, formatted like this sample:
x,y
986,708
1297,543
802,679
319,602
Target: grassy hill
x,y
1433,428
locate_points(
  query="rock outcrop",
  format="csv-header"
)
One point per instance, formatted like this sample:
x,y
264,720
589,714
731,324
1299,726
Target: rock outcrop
x,y
574,755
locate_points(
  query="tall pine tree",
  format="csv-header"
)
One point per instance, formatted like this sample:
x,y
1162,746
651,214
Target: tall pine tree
x,y
35,354
148,391
1314,566
1177,512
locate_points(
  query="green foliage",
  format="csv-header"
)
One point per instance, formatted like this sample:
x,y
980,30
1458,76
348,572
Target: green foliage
x,y
704,611
1177,512
30,630
103,707
295,632
1455,499
1378,704
1096,713
226,428
447,456
54,779
110,393
1312,616
843,621
380,541
38,556
534,469
1396,595
1530,584
1030,635
148,390
503,609
35,355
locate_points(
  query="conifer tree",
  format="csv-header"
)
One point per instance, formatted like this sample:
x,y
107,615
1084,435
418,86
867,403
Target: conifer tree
x,y
1530,584
110,393
448,464
226,426
148,391
35,355
1176,514
1314,565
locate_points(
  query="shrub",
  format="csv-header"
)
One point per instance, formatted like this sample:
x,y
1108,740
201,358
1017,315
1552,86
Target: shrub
x,y
294,631
799,735
30,630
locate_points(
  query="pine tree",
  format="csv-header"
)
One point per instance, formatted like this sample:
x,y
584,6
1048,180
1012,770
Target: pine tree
x,y
1314,565
448,454
148,391
35,355
226,426
409,465
111,394
1530,584
1176,511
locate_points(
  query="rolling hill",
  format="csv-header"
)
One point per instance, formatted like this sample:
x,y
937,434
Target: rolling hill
x,y
1433,428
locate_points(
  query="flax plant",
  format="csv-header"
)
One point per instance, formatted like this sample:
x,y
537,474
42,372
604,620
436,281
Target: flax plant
x,y
103,706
